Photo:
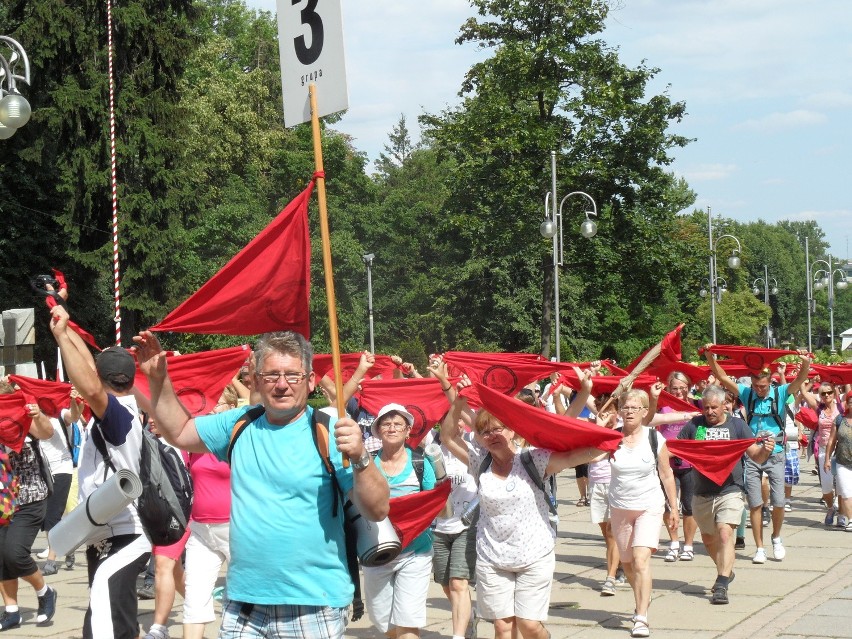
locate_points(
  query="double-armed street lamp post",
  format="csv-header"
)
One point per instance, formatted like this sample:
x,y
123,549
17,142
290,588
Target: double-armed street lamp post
x,y
552,228
368,260
766,291
824,279
713,283
15,111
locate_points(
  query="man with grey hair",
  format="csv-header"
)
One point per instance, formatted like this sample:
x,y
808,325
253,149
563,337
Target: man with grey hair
x,y
717,509
282,495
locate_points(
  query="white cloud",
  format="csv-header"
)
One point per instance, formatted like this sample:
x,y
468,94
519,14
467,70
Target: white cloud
x,y
708,172
782,121
829,100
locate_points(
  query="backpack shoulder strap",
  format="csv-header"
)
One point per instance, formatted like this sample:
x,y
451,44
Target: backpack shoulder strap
x,y
242,423
750,407
652,438
417,462
483,466
532,471
320,427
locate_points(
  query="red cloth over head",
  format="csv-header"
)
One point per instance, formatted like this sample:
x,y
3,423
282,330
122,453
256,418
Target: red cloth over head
x,y
412,514
662,369
613,369
200,378
606,383
422,397
51,397
676,404
715,459
323,364
15,420
265,287
754,358
543,429
840,374
505,372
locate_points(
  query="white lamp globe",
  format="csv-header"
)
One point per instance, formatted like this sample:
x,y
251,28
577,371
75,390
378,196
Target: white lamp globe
x,y
14,110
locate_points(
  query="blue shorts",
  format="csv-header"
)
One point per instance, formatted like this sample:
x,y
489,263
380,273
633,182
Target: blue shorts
x,y
791,468
256,621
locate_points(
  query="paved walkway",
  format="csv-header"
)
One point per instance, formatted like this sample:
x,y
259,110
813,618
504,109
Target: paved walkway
x,y
809,594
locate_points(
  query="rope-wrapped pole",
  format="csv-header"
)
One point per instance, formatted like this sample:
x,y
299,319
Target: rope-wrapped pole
x,y
114,182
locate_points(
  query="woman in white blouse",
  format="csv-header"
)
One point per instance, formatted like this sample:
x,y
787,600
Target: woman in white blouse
x,y
638,502
515,556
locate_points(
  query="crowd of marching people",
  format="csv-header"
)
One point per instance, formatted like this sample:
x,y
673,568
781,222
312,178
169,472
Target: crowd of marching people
x,y
678,448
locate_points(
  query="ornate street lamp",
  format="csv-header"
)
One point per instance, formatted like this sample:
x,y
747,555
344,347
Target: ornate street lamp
x,y
713,282
14,109
824,279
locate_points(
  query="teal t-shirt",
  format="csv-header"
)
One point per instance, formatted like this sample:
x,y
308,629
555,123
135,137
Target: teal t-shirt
x,y
764,407
286,548
406,483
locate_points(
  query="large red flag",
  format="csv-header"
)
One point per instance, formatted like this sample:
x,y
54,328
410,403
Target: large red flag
x,y
543,429
265,287
412,514
85,335
715,459
51,397
505,372
200,378
422,397
754,358
15,420
669,349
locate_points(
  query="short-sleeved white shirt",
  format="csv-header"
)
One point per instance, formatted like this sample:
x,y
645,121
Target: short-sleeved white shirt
x,y
634,484
513,529
463,493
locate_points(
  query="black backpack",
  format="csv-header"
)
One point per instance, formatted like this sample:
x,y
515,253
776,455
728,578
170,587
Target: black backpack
x,y
166,500
773,403
416,462
320,426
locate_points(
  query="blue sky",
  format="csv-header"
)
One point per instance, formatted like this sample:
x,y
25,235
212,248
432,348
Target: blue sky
x,y
767,85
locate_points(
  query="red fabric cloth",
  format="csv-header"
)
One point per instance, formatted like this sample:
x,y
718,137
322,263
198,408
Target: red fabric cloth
x,y
613,369
663,368
84,334
543,429
606,383
422,397
51,397
841,374
15,420
669,349
670,401
505,372
200,378
754,358
807,417
713,459
323,364
412,514
265,287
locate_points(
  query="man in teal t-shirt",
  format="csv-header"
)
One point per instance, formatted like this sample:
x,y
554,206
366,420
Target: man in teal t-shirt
x,y
288,574
764,407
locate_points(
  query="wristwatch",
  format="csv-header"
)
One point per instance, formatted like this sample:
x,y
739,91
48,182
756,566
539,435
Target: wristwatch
x,y
362,461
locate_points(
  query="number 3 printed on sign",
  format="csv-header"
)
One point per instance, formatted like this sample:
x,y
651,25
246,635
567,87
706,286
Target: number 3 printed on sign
x,y
309,55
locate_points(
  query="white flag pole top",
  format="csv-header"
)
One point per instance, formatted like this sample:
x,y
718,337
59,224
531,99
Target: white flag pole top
x,y
310,40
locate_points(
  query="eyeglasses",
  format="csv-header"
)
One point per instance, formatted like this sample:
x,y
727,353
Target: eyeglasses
x,y
631,409
491,433
393,426
290,378
826,393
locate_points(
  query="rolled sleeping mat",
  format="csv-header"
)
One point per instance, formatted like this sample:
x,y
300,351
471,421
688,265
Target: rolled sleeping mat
x,y
378,543
111,497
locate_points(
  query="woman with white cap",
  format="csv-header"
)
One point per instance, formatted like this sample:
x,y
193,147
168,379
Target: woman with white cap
x,y
395,594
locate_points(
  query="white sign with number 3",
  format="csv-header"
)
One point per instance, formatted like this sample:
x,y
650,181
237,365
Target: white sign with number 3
x,y
310,39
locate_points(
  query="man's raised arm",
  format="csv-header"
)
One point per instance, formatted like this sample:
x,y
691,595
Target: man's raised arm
x,y
174,422
727,383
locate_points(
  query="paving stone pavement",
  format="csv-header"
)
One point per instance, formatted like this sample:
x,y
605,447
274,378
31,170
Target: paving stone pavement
x,y
809,594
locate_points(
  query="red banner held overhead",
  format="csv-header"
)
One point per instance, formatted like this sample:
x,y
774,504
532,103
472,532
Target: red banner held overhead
x,y
754,358
422,397
200,378
51,397
265,287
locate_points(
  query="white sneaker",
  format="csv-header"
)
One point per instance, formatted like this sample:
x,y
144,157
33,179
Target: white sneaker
x,y
778,550
788,508
157,632
759,556
44,553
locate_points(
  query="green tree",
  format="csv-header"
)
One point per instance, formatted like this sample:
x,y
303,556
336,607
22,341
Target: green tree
x,y
551,84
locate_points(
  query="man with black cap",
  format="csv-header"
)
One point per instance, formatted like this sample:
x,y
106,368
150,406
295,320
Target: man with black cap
x,y
117,552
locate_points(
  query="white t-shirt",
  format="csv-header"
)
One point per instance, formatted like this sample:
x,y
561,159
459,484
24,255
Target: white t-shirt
x,y
462,494
634,484
55,450
514,527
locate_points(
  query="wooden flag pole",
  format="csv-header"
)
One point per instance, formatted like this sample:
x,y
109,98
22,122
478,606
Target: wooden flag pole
x,y
326,258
